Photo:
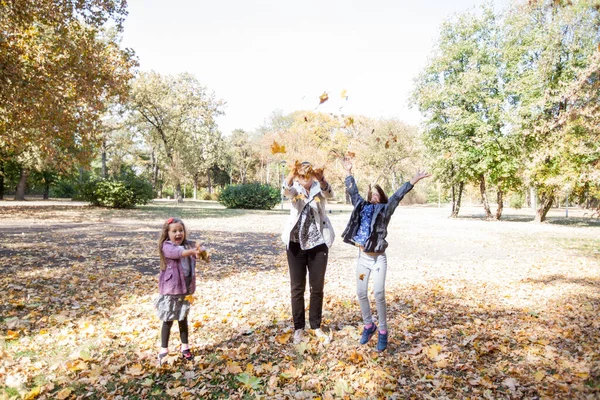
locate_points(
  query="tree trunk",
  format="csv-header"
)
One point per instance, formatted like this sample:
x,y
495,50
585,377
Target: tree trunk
x,y
1,180
456,199
177,193
210,190
20,195
196,186
154,171
500,204
484,199
103,151
546,201
46,189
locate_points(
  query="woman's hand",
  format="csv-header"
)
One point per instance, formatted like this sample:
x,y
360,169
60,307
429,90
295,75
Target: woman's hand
x,y
318,174
418,176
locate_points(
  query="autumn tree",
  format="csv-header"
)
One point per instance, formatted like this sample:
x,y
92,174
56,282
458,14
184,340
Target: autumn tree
x,y
461,94
172,113
60,65
552,74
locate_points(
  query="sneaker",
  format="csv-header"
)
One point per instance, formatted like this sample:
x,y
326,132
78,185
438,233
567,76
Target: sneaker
x,y
161,357
298,336
322,336
367,334
187,355
382,341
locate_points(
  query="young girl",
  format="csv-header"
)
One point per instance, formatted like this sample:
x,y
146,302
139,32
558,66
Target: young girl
x,y
367,230
177,279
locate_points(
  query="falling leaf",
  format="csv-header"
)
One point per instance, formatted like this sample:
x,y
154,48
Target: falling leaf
x,y
305,118
387,144
190,298
348,121
204,256
283,338
323,98
361,277
277,148
344,94
350,154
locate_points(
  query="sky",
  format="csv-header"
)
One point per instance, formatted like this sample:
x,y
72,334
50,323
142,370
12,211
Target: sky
x,y
267,55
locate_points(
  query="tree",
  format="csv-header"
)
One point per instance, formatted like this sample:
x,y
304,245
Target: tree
x,y
169,111
461,94
59,66
552,74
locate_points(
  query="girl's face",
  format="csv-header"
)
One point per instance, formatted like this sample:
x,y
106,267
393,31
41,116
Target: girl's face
x,y
176,233
375,198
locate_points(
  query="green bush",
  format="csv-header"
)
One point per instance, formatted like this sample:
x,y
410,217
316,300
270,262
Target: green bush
x,y
63,189
126,192
517,200
252,196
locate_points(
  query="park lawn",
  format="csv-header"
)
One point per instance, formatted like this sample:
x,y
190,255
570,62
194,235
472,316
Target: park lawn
x,y
476,309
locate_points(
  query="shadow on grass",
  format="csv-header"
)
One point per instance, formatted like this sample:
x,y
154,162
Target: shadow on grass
x,y
561,279
161,211
570,221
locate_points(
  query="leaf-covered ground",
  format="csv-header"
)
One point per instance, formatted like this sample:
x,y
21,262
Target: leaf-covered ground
x,y
477,309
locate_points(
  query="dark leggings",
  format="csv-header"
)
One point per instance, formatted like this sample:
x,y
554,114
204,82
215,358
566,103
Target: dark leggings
x,y
313,261
166,332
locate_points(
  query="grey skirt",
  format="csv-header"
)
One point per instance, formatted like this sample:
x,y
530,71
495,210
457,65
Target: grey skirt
x,y
172,307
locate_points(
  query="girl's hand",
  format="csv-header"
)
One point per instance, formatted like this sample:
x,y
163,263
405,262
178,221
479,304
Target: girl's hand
x,y
347,164
202,253
418,176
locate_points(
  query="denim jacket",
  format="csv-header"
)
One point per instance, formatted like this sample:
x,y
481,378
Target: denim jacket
x,y
382,213
171,281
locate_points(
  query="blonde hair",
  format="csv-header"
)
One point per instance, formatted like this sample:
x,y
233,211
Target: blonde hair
x,y
164,235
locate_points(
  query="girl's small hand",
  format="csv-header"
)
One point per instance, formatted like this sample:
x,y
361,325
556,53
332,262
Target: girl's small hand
x,y
203,254
347,164
419,175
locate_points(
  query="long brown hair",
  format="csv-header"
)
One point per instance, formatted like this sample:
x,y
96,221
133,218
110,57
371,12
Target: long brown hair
x,y
164,235
382,196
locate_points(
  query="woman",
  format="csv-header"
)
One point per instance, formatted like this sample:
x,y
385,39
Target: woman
x,y
308,236
367,230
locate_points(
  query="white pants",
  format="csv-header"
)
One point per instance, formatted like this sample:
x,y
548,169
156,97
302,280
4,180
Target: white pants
x,y
375,265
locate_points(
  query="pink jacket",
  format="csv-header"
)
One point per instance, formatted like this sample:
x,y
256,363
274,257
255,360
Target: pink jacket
x,y
171,280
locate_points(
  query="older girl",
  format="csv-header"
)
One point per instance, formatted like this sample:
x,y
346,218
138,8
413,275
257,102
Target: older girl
x,y
367,230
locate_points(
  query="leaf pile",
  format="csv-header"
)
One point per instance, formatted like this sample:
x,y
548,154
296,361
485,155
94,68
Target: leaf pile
x,y
470,313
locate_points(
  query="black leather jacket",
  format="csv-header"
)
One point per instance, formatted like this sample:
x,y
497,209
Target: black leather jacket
x,y
382,213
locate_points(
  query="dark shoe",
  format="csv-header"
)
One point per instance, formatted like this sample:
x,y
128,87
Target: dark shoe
x,y
187,355
367,334
382,341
